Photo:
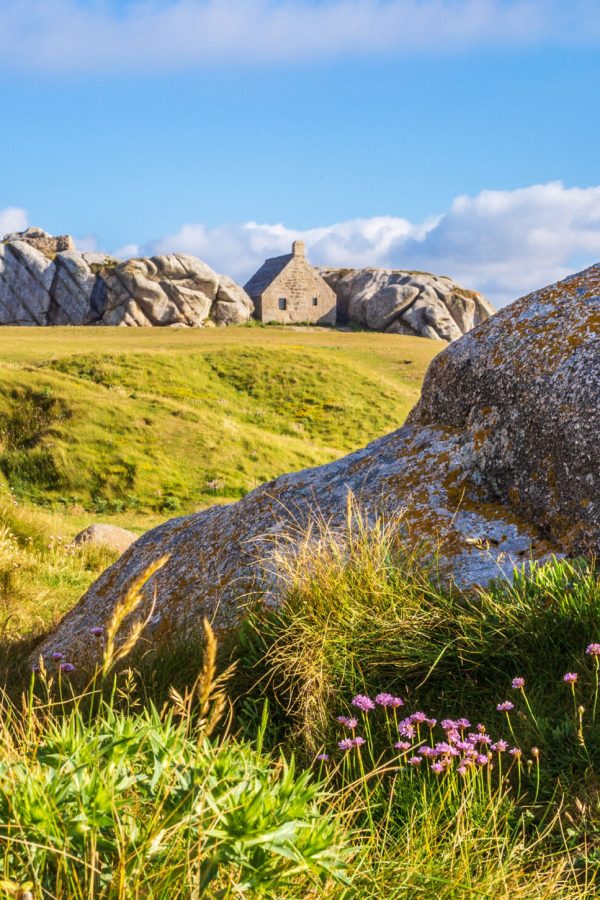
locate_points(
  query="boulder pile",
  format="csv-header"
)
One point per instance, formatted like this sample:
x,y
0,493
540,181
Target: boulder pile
x,y
45,281
498,464
416,303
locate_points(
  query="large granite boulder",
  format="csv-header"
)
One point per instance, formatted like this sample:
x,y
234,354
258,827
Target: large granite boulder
x,y
416,303
498,464
525,394
42,284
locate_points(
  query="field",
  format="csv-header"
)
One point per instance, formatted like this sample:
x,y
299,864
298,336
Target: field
x,y
134,426
378,735
141,424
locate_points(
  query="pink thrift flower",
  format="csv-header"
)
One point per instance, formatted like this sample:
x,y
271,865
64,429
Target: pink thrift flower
x,y
388,700
506,706
593,650
361,701
347,721
518,683
570,677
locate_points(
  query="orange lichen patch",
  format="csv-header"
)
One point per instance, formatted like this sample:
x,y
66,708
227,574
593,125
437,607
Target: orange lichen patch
x,y
480,437
514,495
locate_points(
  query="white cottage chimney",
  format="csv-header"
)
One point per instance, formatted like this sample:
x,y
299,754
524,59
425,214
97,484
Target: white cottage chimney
x,y
298,248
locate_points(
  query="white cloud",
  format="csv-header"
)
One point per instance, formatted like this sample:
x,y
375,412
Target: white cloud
x,y
503,243
73,35
12,219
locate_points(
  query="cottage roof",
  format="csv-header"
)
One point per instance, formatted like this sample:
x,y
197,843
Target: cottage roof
x,y
267,273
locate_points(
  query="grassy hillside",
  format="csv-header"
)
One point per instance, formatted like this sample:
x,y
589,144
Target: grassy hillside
x,y
381,736
151,422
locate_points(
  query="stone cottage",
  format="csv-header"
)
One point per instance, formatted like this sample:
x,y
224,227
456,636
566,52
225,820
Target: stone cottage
x,y
286,289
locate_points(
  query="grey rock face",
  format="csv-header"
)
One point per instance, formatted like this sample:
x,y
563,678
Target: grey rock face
x,y
65,287
498,464
526,395
399,302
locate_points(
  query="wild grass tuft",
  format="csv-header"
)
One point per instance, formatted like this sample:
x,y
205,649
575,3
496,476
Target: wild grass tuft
x,y
362,616
100,798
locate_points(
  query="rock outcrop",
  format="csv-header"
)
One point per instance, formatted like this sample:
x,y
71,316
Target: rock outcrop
x,y
525,394
111,536
45,281
47,244
499,463
416,303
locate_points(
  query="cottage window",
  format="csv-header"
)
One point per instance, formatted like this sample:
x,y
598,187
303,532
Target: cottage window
x,y
282,303
315,301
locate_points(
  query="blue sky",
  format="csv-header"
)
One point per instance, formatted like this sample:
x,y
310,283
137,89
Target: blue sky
x,y
460,135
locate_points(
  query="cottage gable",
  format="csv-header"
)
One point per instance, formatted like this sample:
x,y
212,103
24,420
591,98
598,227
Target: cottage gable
x,y
287,289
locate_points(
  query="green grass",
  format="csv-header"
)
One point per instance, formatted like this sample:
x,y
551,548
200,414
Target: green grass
x,y
154,422
100,799
365,616
132,789
41,575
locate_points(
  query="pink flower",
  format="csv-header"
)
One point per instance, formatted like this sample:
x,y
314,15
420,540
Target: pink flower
x,y
323,757
361,701
515,752
481,760
437,768
570,677
506,706
500,746
593,650
388,700
518,683
403,745
348,722
415,761
406,728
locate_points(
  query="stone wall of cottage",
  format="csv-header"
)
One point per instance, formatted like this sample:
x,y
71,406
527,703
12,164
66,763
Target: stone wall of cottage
x,y
299,285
